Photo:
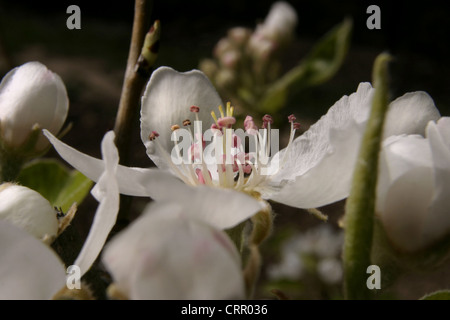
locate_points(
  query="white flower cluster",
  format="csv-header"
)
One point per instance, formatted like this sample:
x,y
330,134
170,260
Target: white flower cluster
x,y
178,248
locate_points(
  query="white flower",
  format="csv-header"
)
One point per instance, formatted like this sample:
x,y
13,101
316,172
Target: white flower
x,y
31,95
221,208
413,192
27,209
315,169
30,270
168,254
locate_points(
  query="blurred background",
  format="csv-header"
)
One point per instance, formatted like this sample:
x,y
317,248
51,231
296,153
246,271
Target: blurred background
x,y
92,62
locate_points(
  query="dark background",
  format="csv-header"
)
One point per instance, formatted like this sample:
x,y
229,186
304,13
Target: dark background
x,y
92,62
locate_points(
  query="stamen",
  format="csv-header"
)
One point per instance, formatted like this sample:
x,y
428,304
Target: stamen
x,y
195,109
296,125
186,122
222,115
153,135
249,125
213,115
292,118
267,120
189,171
174,127
228,109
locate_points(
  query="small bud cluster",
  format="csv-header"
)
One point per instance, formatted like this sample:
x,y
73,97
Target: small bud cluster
x,y
247,61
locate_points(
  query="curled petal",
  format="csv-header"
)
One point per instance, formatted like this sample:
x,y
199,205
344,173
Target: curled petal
x,y
107,193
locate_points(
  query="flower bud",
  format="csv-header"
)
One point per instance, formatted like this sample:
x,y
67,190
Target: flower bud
x,y
28,210
413,188
280,23
31,96
208,67
239,35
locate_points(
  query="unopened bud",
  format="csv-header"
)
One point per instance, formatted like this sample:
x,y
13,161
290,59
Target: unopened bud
x,y
150,49
28,210
31,98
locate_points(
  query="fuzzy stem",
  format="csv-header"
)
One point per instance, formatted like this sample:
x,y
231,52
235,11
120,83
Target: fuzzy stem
x,y
360,206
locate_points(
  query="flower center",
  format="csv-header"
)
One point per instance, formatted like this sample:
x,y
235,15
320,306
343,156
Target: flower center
x,y
222,156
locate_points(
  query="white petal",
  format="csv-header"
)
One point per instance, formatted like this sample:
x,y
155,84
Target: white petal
x,y
166,254
437,223
106,214
139,182
399,155
221,208
406,209
410,114
31,94
29,269
167,101
321,160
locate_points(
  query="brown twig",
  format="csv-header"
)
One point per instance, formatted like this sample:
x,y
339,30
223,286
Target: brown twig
x,y
133,83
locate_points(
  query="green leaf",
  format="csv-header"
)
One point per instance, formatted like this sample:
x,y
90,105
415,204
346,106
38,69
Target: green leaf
x,y
59,185
438,295
320,65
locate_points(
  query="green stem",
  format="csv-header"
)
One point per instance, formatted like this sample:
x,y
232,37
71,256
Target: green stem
x,y
360,206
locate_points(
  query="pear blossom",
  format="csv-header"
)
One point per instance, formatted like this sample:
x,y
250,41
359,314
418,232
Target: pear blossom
x,y
314,169
168,254
31,96
27,209
29,270
413,196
